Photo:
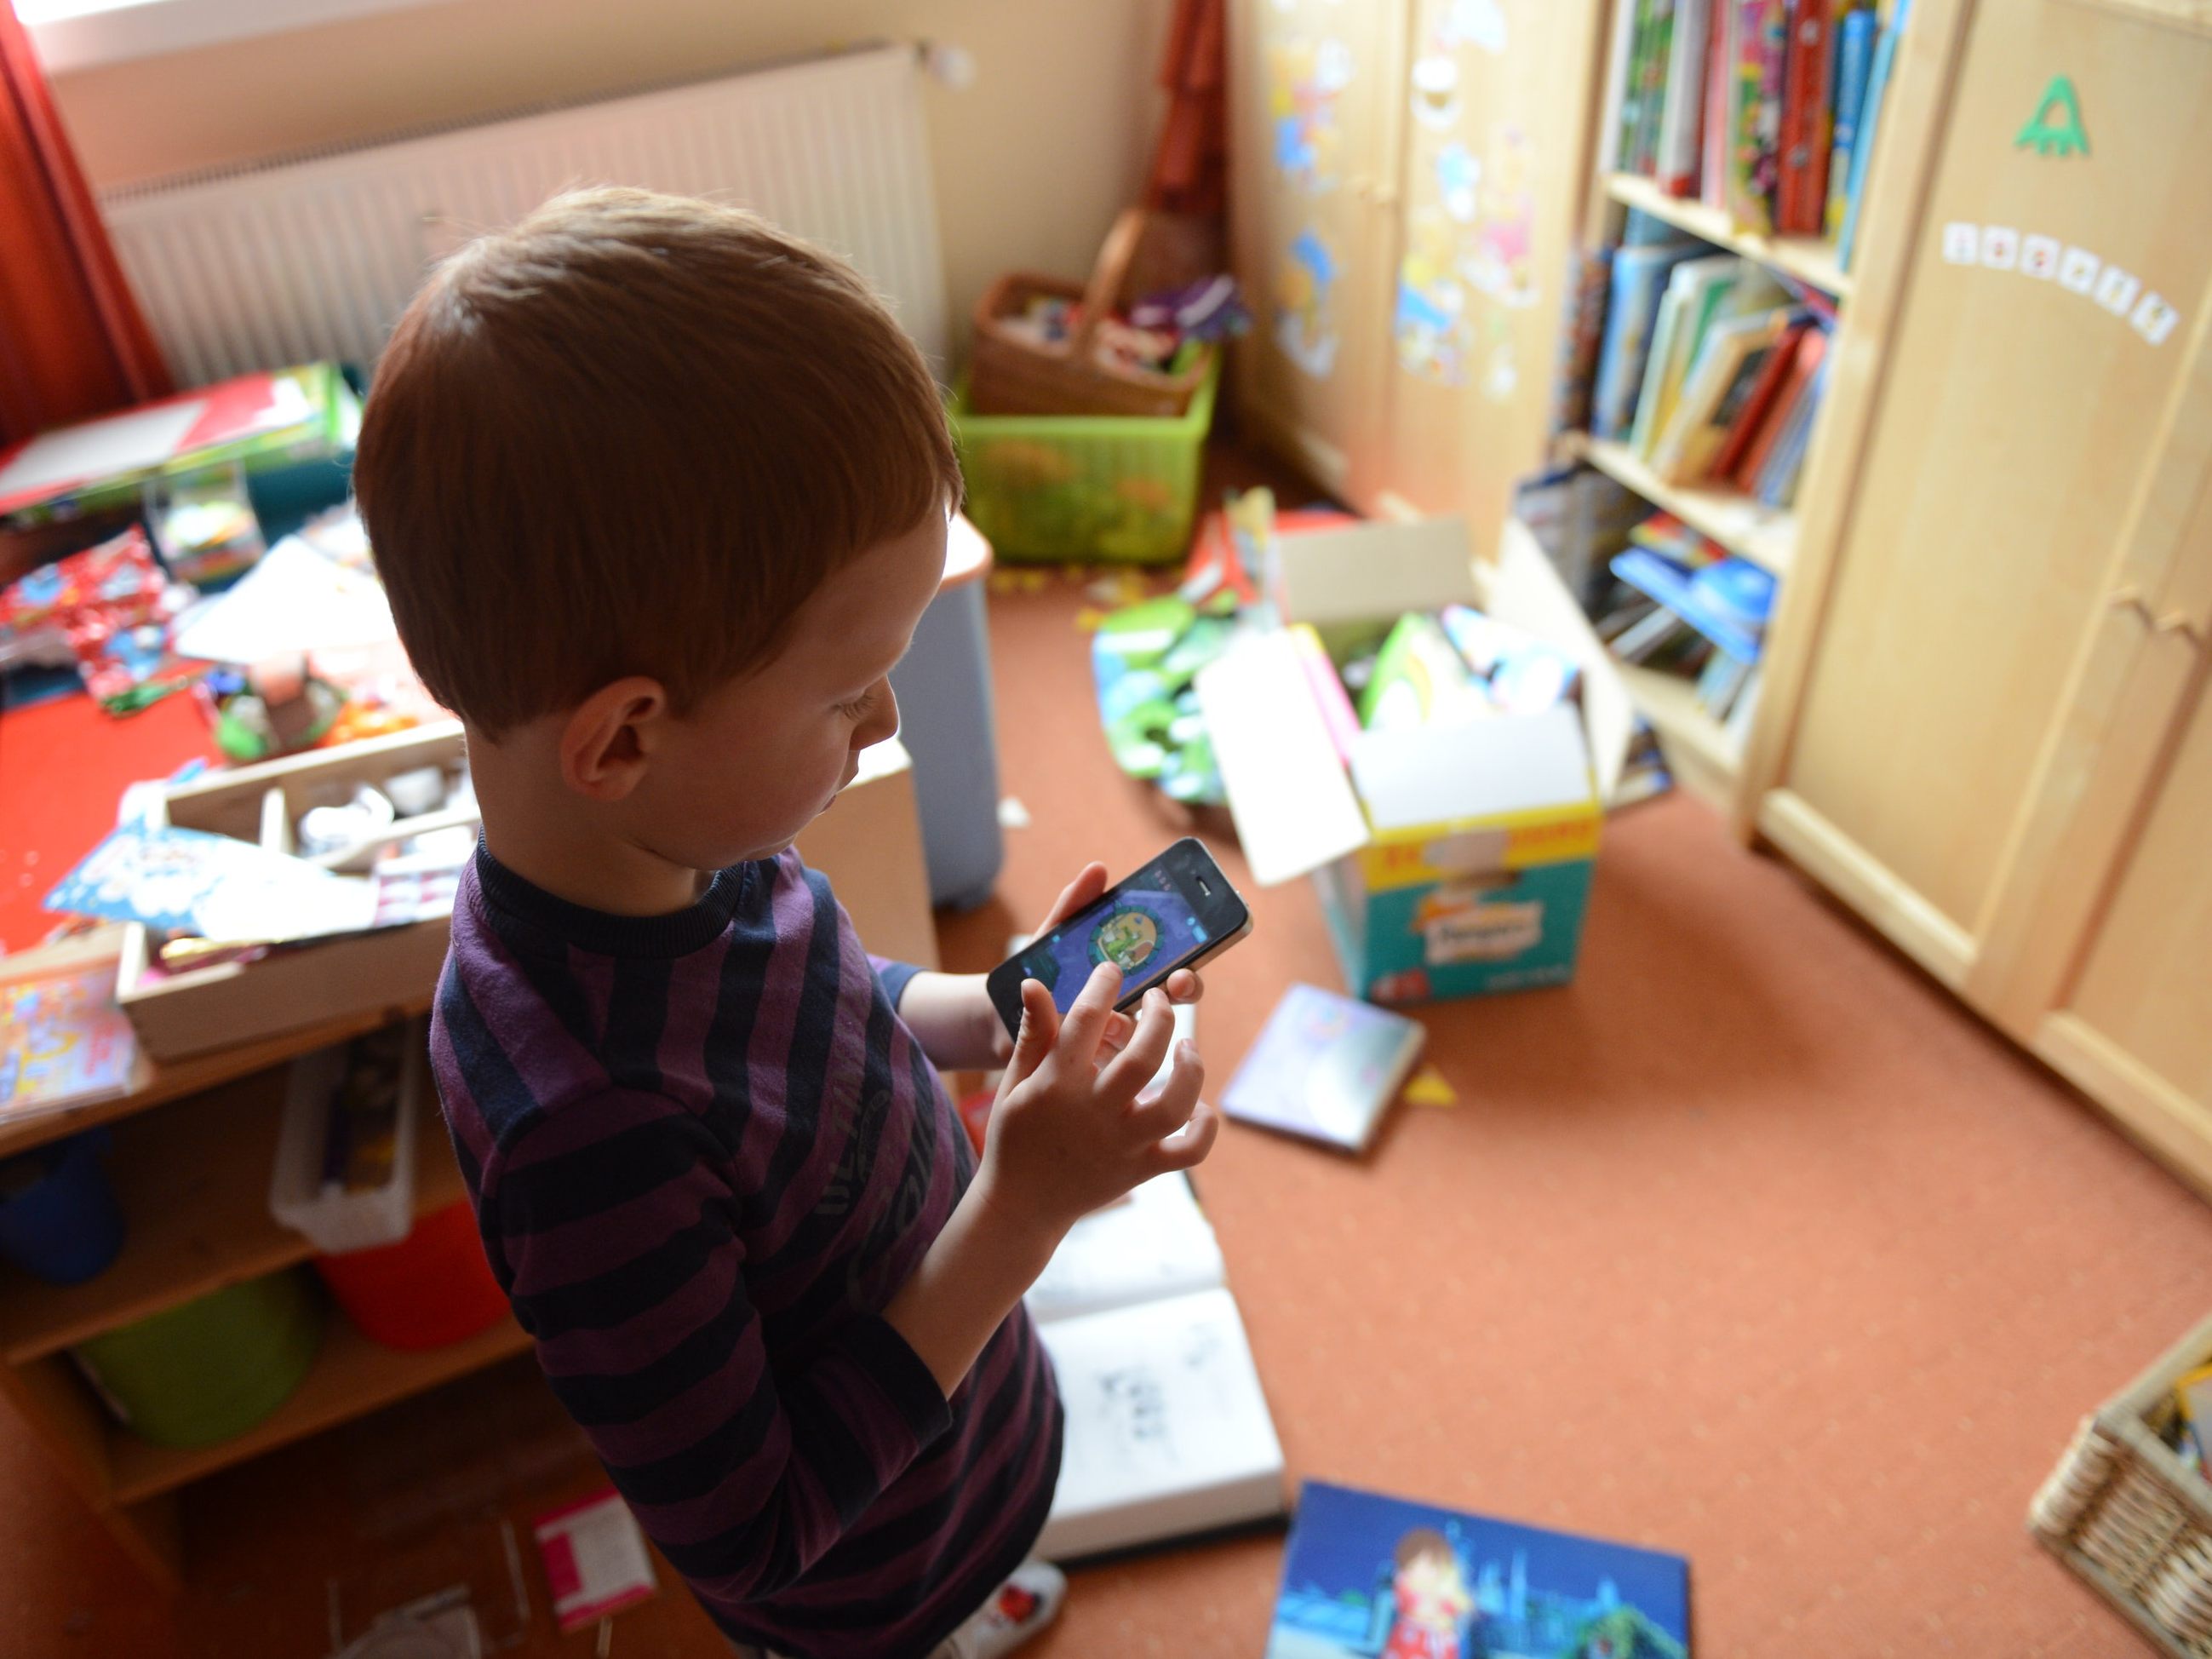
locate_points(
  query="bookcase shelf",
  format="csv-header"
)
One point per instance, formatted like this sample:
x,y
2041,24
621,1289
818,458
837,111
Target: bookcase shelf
x,y
1767,536
1810,259
351,1375
1694,739
197,1224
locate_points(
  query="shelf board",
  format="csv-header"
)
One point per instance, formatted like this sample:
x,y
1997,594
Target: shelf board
x,y
1767,536
193,1184
157,1085
1670,703
351,1376
1811,259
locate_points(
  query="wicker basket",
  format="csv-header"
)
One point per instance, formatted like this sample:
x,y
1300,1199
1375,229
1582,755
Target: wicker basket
x,y
1009,373
2124,1512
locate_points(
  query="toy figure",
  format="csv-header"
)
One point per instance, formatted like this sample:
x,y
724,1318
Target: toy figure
x,y
1502,263
1433,1598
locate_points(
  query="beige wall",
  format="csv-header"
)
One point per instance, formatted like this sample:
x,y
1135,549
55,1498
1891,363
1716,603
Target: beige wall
x,y
1032,161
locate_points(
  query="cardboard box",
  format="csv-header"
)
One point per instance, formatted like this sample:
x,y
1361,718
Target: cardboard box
x,y
1451,861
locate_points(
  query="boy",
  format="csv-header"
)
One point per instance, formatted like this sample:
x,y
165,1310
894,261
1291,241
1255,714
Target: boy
x,y
659,496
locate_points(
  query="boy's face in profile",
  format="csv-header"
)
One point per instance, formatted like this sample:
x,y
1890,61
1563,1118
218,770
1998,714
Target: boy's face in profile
x,y
758,759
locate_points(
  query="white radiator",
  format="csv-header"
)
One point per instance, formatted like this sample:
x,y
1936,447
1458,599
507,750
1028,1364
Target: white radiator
x,y
315,256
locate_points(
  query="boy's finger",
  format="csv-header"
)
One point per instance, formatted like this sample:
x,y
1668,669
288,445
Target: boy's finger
x,y
1089,882
1185,986
1139,1062
1084,1026
1190,1145
1033,1042
1172,1105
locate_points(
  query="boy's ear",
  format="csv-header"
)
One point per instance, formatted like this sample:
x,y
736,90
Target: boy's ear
x,y
607,738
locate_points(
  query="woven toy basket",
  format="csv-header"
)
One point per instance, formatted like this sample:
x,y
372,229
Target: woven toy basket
x,y
1010,374
2125,1513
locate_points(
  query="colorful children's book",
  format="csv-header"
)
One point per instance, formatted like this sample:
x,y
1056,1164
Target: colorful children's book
x,y
1803,188
1168,1431
1695,294
1869,121
1811,348
1744,425
1621,54
290,414
63,1041
1854,59
1681,116
1728,365
1652,103
1365,1575
1326,1066
1754,115
1639,281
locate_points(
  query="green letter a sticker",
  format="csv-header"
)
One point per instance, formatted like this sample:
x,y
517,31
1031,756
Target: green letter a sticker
x,y
2055,128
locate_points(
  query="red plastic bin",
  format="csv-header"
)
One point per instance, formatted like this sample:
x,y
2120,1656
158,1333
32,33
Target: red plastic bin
x,y
431,1288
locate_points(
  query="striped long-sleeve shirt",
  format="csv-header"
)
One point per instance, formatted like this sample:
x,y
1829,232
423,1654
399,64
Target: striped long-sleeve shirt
x,y
705,1152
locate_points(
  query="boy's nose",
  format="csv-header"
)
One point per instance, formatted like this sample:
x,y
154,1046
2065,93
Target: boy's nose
x,y
883,720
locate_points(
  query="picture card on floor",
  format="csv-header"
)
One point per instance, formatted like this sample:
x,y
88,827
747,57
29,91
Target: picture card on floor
x,y
1326,1066
1365,1574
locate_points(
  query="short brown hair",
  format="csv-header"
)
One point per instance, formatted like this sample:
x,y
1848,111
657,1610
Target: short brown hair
x,y
631,435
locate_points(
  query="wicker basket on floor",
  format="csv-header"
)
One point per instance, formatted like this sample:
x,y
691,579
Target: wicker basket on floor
x,y
1010,373
2123,1511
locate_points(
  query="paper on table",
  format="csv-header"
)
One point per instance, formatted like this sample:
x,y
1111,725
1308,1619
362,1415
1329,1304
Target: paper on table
x,y
187,881
295,599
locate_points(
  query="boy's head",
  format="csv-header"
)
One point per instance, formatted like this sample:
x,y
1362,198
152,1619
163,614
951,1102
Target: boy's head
x,y
656,489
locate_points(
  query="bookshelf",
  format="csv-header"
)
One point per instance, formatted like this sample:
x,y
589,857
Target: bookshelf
x,y
1767,536
1640,136
1811,260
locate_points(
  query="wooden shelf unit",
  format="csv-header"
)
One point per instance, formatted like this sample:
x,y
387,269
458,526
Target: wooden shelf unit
x,y
351,1376
1698,746
195,1224
1767,536
1810,259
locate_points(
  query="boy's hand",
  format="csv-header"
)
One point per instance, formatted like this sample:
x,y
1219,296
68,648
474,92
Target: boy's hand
x,y
1182,985
1076,1126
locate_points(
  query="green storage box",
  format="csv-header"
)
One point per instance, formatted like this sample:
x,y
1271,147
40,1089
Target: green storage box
x,y
210,1369
1086,490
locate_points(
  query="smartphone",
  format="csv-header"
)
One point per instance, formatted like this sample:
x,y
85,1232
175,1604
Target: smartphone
x,y
1173,913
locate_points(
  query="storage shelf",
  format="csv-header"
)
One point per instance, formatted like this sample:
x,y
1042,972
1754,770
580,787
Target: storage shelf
x,y
155,1085
1811,259
192,1181
351,1375
1670,703
1767,536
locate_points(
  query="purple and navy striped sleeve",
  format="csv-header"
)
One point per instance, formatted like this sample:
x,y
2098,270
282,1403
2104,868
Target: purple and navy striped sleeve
x,y
705,1152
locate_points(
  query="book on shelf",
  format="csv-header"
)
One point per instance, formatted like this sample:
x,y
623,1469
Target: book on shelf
x,y
1757,401
1365,1574
1718,385
1638,283
1778,481
1801,191
1681,117
1869,120
1689,288
1805,361
1168,1433
1855,38
1757,107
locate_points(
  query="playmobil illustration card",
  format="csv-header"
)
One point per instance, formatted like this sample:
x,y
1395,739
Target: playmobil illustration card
x,y
1366,1576
1326,1066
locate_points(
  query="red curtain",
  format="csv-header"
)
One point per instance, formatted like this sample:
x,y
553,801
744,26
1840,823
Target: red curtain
x,y
72,344
1190,166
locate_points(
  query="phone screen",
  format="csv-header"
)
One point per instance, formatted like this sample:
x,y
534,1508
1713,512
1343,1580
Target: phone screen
x,y
1144,927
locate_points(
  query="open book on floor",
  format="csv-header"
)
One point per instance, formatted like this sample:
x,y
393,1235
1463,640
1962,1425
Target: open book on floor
x,y
1168,1431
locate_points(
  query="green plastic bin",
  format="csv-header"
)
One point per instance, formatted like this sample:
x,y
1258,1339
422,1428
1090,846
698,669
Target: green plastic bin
x,y
1086,490
210,1369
